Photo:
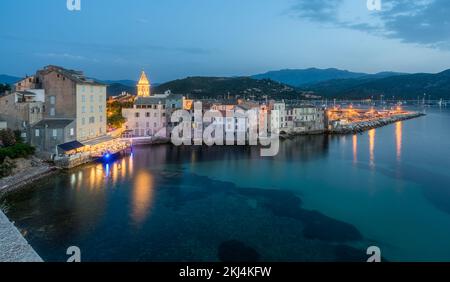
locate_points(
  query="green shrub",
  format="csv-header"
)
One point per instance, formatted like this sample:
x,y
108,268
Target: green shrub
x,y
19,150
6,168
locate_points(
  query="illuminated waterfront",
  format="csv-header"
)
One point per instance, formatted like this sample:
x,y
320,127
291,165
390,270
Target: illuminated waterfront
x,y
321,198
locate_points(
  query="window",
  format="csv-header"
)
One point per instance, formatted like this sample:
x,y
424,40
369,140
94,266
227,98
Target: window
x,y
137,124
72,132
52,112
91,98
100,109
92,109
36,132
83,109
148,124
83,98
147,114
92,120
101,118
136,115
55,133
52,100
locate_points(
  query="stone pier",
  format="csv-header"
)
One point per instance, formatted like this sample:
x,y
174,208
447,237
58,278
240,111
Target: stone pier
x,y
13,246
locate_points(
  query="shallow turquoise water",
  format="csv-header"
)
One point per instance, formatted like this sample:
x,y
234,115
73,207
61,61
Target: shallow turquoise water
x,y
321,199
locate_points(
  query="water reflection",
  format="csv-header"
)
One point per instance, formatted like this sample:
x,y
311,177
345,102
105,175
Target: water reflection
x,y
372,133
142,196
355,148
398,139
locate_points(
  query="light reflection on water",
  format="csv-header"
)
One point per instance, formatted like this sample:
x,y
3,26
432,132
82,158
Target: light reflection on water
x,y
142,195
398,139
372,134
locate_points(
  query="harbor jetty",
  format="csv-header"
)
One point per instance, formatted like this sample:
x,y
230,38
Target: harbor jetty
x,y
364,125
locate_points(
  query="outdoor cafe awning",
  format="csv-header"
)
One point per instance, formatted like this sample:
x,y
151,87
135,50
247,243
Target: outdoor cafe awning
x,y
69,146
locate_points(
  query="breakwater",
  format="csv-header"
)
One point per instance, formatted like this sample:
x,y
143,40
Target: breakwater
x,y
357,127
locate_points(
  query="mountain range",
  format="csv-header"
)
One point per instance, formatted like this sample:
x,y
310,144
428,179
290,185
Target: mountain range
x,y
300,83
8,79
301,77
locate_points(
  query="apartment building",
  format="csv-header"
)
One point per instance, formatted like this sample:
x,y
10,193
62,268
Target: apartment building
x,y
70,95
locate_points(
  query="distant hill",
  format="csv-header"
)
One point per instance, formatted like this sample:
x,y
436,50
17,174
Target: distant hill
x,y
7,79
298,77
408,86
301,77
126,82
219,87
114,89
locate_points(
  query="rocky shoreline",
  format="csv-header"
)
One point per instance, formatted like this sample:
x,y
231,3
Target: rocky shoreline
x,y
34,170
359,127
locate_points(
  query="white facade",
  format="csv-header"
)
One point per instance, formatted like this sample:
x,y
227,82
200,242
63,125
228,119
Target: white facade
x,y
144,120
91,111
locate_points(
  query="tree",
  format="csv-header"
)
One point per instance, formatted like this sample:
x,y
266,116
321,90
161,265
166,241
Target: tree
x,y
7,137
4,88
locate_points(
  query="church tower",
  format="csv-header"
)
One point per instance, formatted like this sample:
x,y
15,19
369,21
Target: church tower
x,y
143,86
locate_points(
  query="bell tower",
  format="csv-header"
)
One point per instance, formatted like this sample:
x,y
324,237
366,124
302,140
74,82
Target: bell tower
x,y
143,86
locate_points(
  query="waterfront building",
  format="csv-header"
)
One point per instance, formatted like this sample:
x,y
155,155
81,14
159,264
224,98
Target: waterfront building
x,y
22,109
70,95
49,134
150,116
308,118
143,86
278,115
62,106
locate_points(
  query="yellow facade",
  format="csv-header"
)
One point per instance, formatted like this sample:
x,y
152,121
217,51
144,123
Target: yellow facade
x,y
143,86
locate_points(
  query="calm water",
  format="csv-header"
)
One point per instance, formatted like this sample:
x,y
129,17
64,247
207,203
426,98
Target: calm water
x,y
322,198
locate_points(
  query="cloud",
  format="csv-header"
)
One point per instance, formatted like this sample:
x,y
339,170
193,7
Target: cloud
x,y
425,22
61,56
102,48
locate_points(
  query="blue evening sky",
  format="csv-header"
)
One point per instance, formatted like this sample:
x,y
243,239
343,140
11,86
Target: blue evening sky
x,y
115,39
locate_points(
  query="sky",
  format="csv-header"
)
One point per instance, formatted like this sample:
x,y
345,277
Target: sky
x,y
171,39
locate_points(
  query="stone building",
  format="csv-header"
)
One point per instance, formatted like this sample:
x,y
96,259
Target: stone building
x,y
22,109
309,118
70,95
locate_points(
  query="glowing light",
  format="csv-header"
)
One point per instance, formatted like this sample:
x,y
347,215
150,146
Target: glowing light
x,y
355,148
372,147
398,139
142,195
143,86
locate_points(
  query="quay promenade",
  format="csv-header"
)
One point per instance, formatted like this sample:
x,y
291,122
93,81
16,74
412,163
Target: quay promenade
x,y
13,246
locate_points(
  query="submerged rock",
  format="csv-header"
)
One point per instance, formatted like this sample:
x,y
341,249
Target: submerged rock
x,y
236,251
